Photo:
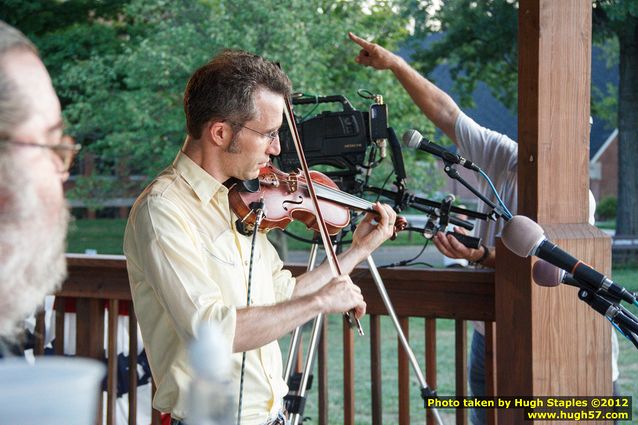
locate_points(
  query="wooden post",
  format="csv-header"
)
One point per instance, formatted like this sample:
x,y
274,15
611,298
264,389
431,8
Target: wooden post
x,y
548,342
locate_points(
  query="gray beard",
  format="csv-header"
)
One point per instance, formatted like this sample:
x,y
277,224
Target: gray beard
x,y
32,262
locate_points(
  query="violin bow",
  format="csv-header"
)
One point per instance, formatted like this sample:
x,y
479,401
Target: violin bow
x,y
323,229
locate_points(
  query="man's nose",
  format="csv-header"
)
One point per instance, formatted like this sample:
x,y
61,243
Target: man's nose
x,y
275,147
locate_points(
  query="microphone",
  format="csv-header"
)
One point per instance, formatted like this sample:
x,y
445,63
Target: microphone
x,y
525,237
415,140
545,274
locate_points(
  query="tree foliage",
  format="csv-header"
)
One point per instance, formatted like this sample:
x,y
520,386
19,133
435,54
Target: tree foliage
x,y
120,67
477,40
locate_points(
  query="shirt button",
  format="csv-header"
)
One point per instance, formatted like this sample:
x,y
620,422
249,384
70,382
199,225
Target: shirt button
x,y
245,262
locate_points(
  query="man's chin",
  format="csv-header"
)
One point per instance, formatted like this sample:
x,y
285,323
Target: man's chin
x,y
252,175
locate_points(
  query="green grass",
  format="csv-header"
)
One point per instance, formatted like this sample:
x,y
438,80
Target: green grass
x,y
103,235
607,224
628,277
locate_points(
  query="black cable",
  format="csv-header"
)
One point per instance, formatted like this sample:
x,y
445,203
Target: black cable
x,y
259,213
410,262
301,239
383,186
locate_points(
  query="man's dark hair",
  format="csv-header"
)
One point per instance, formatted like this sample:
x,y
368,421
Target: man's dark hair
x,y
224,89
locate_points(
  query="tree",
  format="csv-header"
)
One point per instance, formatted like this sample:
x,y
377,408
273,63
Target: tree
x,y
120,67
618,19
478,42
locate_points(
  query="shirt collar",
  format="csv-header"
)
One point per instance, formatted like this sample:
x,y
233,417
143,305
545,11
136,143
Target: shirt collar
x,y
203,184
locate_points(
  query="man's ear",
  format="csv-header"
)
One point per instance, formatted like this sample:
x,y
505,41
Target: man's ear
x,y
219,132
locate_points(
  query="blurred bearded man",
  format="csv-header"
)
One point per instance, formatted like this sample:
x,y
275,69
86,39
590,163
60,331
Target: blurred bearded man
x,y
34,162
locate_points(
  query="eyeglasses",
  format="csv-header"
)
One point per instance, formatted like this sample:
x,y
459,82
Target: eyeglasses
x,y
272,136
65,150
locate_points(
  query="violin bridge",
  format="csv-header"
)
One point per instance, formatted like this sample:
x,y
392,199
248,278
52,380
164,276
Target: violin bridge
x,y
292,183
270,179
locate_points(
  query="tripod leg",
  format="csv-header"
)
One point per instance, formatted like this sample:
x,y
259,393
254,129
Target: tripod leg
x,y
425,390
296,334
310,356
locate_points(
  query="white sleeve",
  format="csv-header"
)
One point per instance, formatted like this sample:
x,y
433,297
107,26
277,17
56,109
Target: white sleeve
x,y
492,151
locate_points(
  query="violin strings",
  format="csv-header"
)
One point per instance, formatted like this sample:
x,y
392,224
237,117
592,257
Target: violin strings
x,y
336,195
345,198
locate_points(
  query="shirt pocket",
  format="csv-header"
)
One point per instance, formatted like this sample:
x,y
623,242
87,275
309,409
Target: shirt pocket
x,y
219,251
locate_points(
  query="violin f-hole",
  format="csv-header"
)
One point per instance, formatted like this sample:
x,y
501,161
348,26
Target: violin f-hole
x,y
291,201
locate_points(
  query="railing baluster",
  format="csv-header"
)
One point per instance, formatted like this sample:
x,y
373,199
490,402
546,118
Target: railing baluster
x,y
89,341
404,374
156,416
89,325
430,360
59,311
323,374
348,374
375,369
490,369
39,333
111,381
460,350
132,365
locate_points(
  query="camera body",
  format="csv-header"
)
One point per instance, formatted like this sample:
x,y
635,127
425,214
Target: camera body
x,y
339,139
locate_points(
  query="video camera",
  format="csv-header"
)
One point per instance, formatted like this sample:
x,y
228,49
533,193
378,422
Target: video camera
x,y
339,139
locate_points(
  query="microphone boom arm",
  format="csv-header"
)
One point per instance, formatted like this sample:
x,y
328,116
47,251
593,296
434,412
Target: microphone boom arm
x,y
618,315
405,199
454,174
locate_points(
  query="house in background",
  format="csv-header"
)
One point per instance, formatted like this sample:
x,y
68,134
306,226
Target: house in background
x,y
603,168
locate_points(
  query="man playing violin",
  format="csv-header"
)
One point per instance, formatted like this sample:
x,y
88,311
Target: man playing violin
x,y
187,262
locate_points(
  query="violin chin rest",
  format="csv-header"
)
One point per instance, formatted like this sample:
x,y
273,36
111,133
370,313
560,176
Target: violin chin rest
x,y
251,186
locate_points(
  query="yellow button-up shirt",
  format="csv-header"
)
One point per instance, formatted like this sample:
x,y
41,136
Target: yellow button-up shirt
x,y
187,264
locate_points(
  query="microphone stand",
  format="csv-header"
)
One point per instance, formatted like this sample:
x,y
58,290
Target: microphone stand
x,y
617,314
405,199
300,383
454,174
426,392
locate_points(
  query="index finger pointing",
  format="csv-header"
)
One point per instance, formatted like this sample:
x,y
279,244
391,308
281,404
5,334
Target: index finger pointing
x,y
360,41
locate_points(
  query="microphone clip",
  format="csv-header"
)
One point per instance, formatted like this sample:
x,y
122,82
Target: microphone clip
x,y
245,228
439,218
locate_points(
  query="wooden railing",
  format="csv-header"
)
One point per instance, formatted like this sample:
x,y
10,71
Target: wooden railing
x,y
93,284
96,281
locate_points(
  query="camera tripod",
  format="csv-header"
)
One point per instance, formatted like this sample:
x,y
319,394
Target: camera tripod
x,y
296,399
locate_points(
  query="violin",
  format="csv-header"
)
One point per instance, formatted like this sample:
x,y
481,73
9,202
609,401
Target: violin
x,y
285,199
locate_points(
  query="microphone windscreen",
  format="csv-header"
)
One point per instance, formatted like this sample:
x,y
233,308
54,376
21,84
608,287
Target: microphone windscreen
x,y
412,138
521,235
546,274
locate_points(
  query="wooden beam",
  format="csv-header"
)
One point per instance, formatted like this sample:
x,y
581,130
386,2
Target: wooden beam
x,y
553,107
555,343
